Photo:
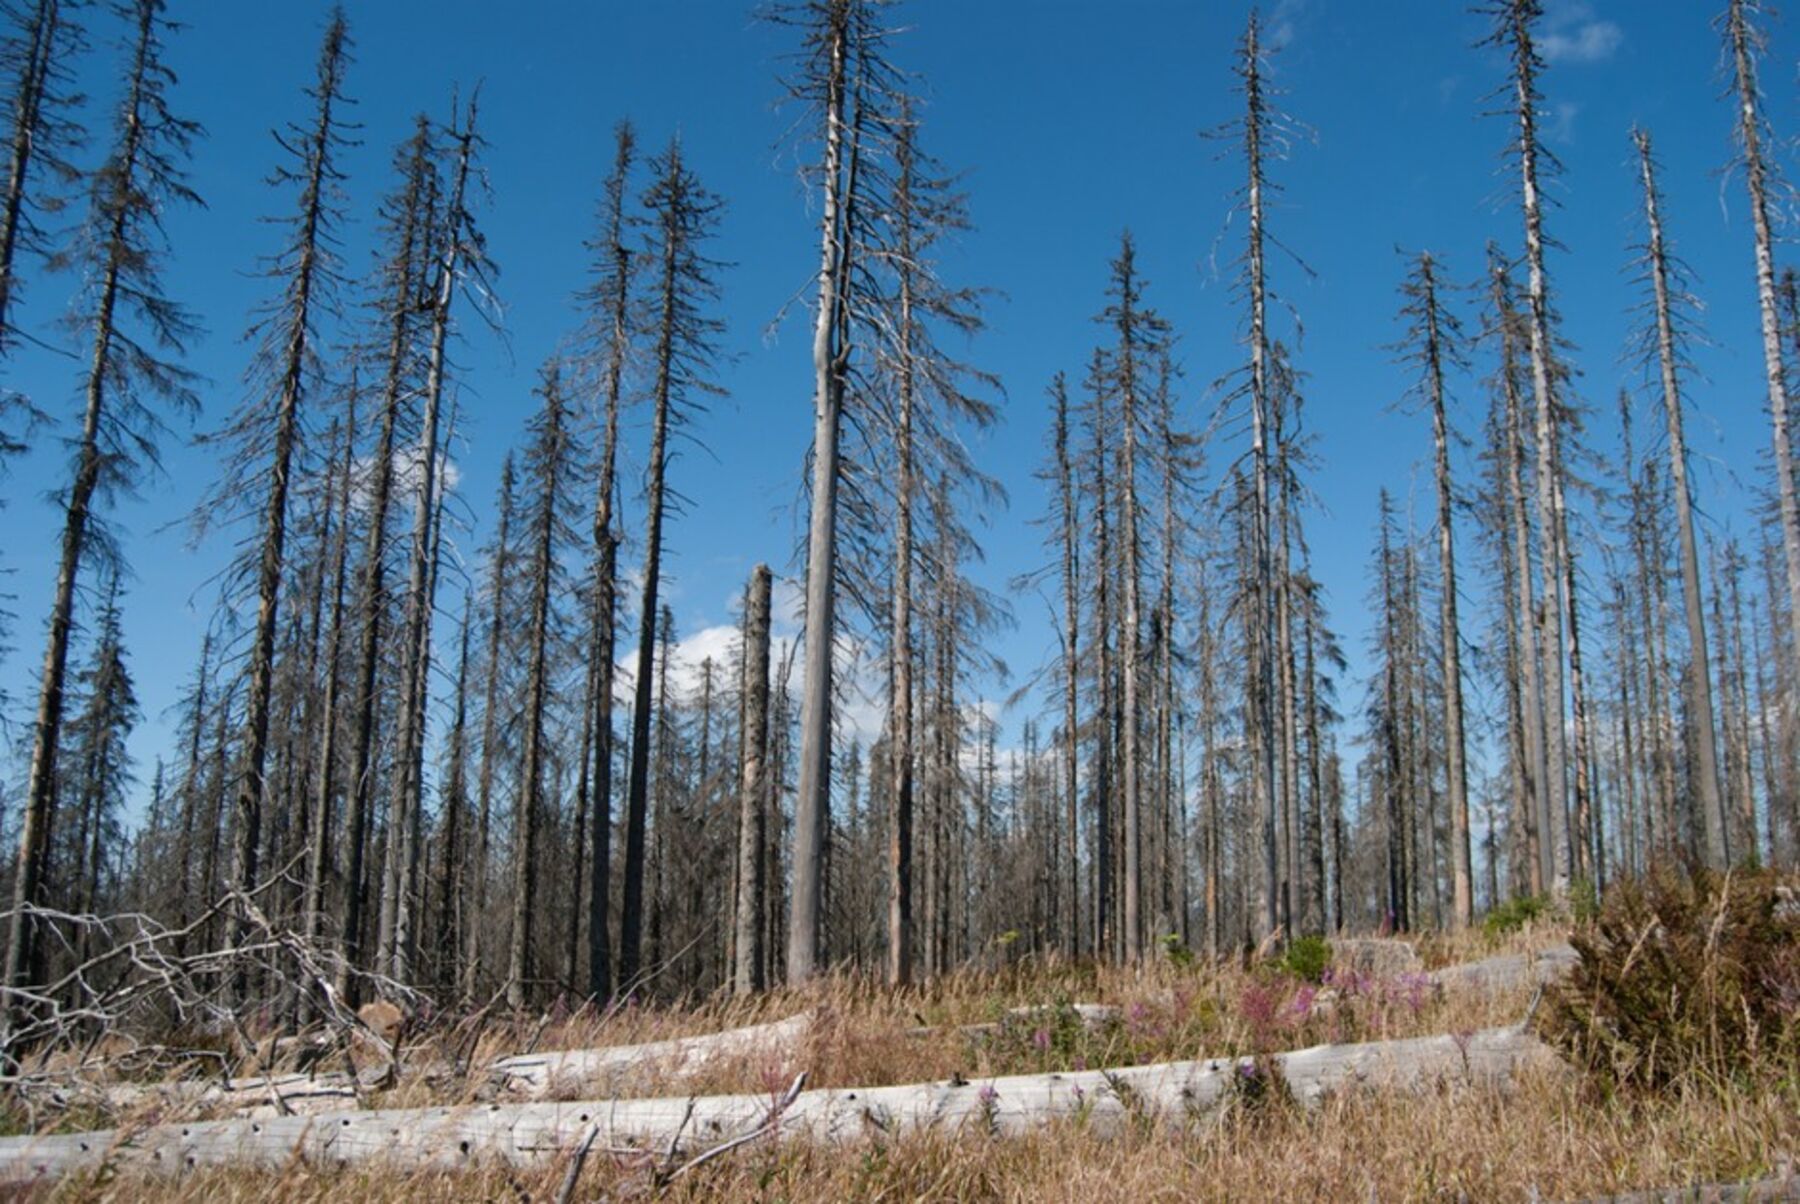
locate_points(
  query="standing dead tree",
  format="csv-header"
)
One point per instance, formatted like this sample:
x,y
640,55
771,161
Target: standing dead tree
x,y
125,377
1667,295
1433,344
682,352
267,435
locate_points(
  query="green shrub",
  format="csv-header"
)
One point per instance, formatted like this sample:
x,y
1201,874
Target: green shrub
x,y
1307,958
1177,953
1682,980
1513,915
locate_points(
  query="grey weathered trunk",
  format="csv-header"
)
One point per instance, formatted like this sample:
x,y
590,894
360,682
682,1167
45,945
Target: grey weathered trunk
x,y
900,683
1696,682
297,318
1262,709
490,745
615,300
405,810
1455,768
830,356
753,791
1756,179
29,93
39,804
319,859
1071,635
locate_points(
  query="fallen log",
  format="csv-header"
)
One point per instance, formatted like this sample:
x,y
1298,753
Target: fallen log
x,y
573,1071
1509,970
533,1134
254,1097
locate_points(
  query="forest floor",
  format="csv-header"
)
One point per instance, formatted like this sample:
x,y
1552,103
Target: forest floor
x,y
1545,1134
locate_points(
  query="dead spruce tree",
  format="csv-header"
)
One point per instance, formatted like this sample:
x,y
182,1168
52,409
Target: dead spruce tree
x,y
843,83
408,219
129,324
931,399
1744,44
1127,374
461,269
1514,23
42,38
680,359
611,325
1263,134
1506,327
1433,343
265,438
503,559
552,470
1668,294
750,960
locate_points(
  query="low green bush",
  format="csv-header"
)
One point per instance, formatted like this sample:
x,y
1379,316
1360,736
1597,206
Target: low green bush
x,y
1513,914
1307,958
1683,979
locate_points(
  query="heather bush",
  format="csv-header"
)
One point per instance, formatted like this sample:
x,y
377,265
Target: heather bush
x,y
1683,979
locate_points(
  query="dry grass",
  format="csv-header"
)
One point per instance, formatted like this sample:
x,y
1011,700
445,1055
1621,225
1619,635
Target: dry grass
x,y
1549,1137
1543,1140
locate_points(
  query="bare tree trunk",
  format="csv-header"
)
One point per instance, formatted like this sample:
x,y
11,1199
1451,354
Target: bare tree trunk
x,y
1697,682
830,357
490,723
406,804
1554,605
753,790
1455,769
1071,636
900,693
39,804
319,860
297,317
1262,715
614,297
548,466
1743,40
30,91
411,240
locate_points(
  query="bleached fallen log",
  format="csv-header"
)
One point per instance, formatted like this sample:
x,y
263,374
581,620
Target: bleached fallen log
x,y
532,1134
1509,970
253,1096
582,1070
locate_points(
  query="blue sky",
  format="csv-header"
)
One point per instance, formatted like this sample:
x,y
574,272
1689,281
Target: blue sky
x,y
1074,120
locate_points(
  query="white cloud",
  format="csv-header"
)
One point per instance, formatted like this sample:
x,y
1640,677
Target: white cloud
x,y
1283,22
1574,35
1562,121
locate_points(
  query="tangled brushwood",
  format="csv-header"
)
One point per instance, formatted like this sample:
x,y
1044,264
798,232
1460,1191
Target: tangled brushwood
x,y
1684,979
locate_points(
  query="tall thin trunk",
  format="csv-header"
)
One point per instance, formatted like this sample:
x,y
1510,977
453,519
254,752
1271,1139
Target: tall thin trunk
x,y
296,340
662,398
900,700
830,360
1455,768
490,725
1262,712
1696,682
1743,42
320,858
753,790
412,239
45,25
40,791
405,809
615,298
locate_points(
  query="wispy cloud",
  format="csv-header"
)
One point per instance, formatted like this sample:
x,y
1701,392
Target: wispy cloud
x,y
1284,22
1575,35
1562,122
